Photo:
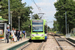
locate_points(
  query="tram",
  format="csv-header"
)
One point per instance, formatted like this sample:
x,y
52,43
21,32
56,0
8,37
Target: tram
x,y
38,29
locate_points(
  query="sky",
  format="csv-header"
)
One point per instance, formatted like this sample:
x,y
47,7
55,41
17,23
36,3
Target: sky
x,y
45,6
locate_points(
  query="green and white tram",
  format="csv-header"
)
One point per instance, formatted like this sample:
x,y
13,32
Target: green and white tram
x,y
38,30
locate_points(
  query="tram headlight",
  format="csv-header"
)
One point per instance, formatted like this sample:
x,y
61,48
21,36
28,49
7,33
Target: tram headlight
x,y
42,35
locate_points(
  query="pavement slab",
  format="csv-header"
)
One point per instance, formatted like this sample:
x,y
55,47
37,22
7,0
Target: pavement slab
x,y
5,46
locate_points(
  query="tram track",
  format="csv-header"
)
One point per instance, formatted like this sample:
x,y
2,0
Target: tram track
x,y
25,46
50,44
58,44
32,46
64,44
54,42
40,46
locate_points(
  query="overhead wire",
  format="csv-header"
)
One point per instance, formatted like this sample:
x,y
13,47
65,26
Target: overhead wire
x,y
36,5
40,14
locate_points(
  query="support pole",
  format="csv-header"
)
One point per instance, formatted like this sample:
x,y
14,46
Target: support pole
x,y
9,12
66,22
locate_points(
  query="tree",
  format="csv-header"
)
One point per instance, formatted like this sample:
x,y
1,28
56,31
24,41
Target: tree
x,y
48,28
19,9
62,6
35,16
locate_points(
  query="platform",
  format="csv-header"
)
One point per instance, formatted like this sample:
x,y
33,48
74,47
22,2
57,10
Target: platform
x,y
72,38
5,46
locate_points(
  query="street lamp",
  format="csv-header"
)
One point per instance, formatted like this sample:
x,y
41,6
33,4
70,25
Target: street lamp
x,y
18,22
11,19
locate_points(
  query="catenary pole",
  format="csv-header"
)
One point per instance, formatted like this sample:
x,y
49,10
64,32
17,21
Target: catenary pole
x,y
66,22
9,12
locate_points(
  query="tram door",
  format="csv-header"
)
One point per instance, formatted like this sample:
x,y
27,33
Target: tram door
x,y
2,31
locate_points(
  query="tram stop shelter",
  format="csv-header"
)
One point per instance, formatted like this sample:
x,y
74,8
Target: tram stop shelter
x,y
2,28
2,20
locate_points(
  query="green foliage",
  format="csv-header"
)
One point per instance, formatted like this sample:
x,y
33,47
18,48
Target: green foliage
x,y
55,26
35,16
48,28
73,34
62,6
18,9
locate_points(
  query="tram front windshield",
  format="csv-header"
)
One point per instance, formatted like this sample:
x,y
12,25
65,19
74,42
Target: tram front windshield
x,y
37,26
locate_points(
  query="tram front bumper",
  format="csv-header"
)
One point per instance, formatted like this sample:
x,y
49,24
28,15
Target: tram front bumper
x,y
37,38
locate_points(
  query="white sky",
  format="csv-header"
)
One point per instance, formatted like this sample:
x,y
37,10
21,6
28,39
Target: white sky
x,y
46,7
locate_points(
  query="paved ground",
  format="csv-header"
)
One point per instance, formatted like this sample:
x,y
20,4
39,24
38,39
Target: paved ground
x,y
66,46
50,44
33,46
4,46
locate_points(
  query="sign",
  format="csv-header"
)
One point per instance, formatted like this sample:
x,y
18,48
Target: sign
x,y
38,21
2,31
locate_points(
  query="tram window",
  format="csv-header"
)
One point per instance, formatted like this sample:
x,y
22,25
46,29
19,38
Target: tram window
x,y
37,28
